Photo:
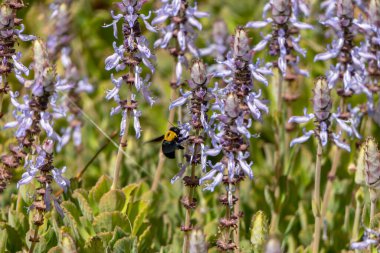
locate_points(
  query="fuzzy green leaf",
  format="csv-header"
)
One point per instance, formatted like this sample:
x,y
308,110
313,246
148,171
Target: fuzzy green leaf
x,y
84,205
126,245
113,200
107,221
102,186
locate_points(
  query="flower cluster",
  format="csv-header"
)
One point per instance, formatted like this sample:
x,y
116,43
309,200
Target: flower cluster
x,y
33,116
9,36
58,44
349,67
183,20
369,51
219,46
284,40
238,105
130,55
324,118
42,169
198,104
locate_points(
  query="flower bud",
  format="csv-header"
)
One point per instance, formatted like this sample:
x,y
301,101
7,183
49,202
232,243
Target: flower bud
x,y
372,163
281,11
220,32
259,231
6,17
232,105
241,43
273,245
322,100
345,9
360,171
199,72
48,146
374,12
198,242
40,56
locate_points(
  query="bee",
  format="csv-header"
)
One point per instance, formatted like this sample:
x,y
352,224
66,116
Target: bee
x,y
171,141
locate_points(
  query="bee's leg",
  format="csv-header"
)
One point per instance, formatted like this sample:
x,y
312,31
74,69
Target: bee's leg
x,y
182,139
180,147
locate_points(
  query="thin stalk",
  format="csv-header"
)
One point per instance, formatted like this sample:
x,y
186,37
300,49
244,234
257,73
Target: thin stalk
x,y
33,245
279,138
186,239
330,182
316,199
161,159
120,153
373,198
355,228
3,85
236,235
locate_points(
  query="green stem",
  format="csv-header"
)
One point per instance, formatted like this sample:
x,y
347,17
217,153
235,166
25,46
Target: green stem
x,y
355,228
316,199
373,198
120,154
161,159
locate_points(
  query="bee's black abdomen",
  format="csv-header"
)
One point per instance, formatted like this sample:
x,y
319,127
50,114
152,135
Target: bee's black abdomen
x,y
170,155
168,148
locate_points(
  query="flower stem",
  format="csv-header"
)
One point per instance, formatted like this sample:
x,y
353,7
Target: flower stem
x,y
355,227
316,199
2,92
123,144
330,182
186,239
373,198
237,214
34,242
161,159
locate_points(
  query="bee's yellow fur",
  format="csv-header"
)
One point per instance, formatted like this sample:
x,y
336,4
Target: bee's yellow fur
x,y
170,136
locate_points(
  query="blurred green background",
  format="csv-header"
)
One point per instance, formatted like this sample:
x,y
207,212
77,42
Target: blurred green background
x,y
163,213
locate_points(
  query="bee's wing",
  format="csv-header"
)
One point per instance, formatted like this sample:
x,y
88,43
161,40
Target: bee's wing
x,y
158,139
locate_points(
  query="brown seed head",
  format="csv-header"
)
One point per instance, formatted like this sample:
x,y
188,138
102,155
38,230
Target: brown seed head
x,y
322,99
281,11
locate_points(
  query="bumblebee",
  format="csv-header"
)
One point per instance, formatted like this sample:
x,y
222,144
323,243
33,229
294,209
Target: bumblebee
x,y
171,141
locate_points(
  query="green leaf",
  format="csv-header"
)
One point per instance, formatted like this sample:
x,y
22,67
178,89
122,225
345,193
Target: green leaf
x,y
107,221
68,244
4,239
126,245
70,207
18,221
129,192
102,186
113,200
94,245
118,234
13,242
81,196
56,249
138,220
